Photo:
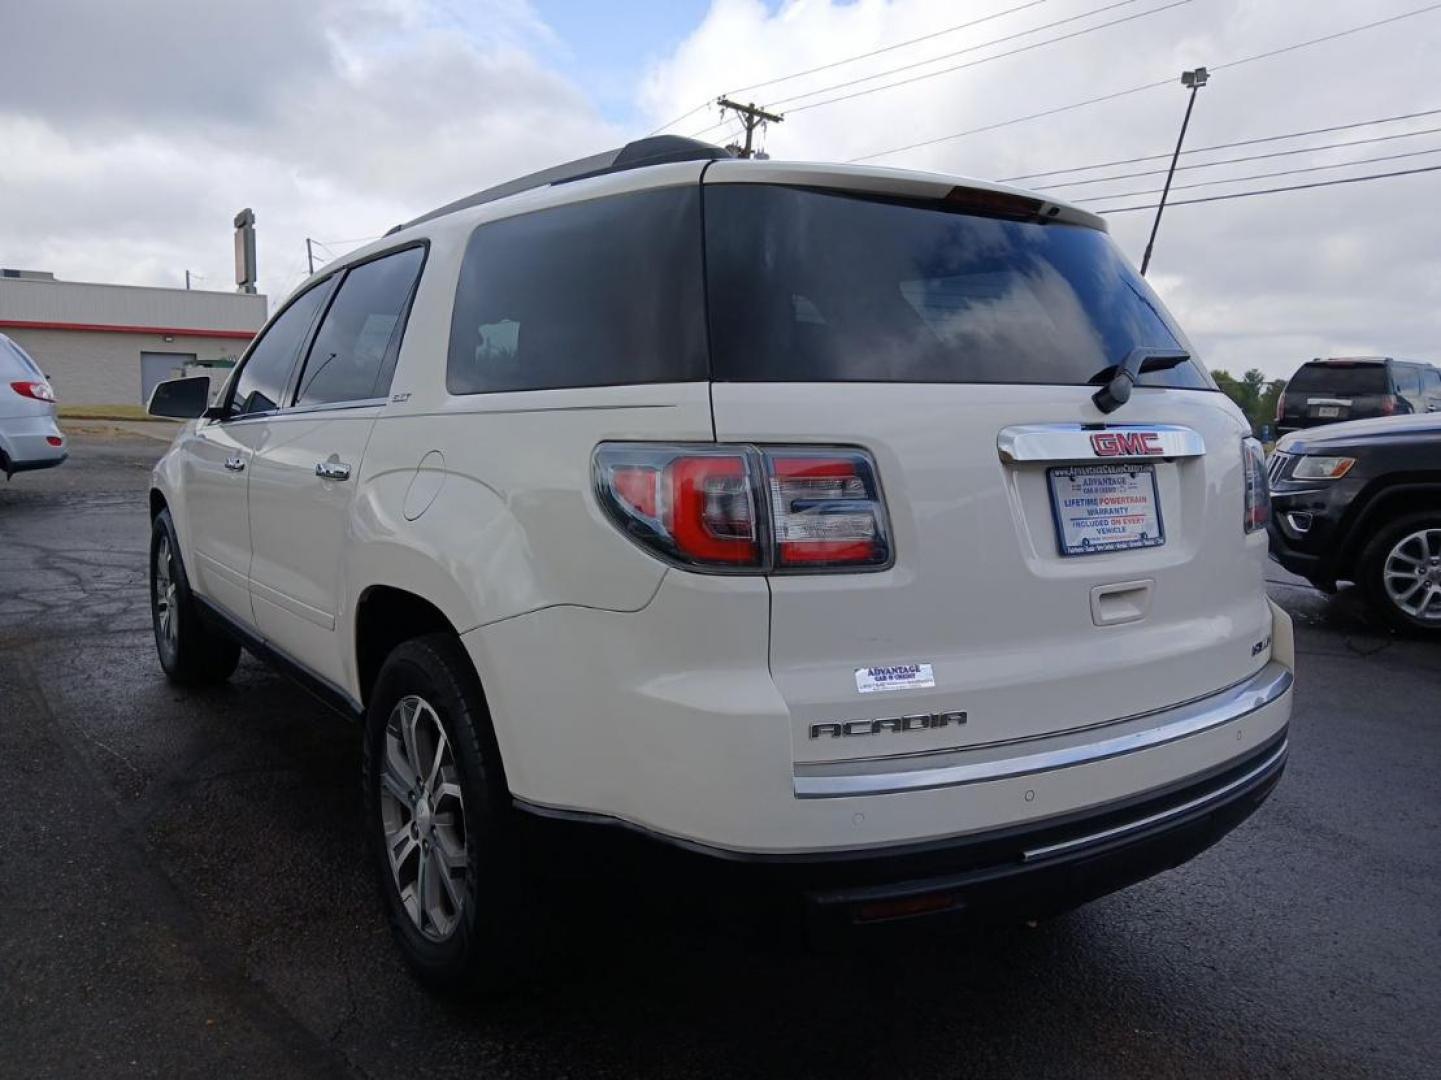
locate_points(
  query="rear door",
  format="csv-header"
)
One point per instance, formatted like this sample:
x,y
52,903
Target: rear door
x,y
1055,566
1431,386
303,479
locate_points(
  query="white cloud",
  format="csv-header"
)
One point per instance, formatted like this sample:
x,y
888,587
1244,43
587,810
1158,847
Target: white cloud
x,y
134,139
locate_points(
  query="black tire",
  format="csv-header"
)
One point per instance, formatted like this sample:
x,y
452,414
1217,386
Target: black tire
x,y
192,651
1381,549
463,946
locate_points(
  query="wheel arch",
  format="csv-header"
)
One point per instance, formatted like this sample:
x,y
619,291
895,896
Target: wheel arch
x,y
385,617
1395,497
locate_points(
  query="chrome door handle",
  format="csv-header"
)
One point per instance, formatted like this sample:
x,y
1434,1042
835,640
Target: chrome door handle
x,y
332,470
235,463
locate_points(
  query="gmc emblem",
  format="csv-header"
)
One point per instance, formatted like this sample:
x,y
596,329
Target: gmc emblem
x,y
1126,443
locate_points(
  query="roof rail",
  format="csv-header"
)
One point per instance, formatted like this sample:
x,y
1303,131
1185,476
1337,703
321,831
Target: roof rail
x,y
655,150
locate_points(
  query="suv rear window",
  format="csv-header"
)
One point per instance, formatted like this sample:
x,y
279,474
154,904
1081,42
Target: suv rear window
x,y
595,293
811,286
1340,379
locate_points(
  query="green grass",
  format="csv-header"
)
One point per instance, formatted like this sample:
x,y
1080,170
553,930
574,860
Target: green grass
x,y
104,412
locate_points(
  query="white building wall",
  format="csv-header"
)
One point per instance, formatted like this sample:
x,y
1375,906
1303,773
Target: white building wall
x,y
88,368
67,327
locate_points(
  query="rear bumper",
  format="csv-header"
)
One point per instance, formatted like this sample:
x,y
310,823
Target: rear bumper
x,y
1028,872
26,442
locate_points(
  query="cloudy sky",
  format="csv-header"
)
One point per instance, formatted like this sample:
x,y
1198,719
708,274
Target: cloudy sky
x,y
131,133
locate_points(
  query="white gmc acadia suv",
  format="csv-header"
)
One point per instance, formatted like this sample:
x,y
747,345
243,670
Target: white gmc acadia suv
x,y
873,528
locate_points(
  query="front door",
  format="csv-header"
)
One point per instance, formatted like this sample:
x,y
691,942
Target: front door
x,y
215,461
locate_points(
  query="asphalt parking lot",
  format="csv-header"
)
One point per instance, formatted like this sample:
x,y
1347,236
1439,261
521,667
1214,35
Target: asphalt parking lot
x,y
183,889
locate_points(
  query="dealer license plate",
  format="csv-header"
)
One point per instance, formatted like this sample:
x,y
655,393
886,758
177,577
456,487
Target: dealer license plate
x,y
1101,508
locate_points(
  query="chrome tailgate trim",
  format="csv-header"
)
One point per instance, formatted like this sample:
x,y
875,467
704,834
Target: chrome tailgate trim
x,y
1268,685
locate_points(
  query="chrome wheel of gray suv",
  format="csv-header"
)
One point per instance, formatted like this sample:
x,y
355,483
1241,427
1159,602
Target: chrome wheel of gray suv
x,y
1412,574
422,810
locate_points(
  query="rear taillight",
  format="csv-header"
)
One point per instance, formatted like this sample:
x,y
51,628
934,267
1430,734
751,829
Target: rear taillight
x,y
40,391
1258,493
746,509
1280,406
826,509
1388,404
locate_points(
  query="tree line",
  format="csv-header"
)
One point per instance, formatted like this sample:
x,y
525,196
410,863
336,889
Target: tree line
x,y
1256,397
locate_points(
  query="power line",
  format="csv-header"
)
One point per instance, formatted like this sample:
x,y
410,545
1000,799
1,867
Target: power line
x,y
1138,89
988,59
1246,157
852,59
1223,146
902,45
958,52
1261,176
1272,191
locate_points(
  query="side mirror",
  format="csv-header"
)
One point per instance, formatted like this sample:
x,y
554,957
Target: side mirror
x,y
180,399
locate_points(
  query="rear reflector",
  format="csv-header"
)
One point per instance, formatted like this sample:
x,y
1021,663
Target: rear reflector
x,y
906,907
705,507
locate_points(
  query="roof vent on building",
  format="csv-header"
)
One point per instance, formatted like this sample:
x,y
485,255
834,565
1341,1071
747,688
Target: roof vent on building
x,y
27,275
655,150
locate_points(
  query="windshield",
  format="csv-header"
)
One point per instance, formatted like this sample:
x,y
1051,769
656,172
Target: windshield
x,y
811,286
1344,379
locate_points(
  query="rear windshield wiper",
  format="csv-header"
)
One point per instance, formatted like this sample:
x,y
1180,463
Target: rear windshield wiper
x,y
1116,381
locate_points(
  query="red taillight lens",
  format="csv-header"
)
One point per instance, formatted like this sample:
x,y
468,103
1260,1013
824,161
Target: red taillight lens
x,y
1280,406
695,505
40,391
1258,491
826,508
701,506
1388,404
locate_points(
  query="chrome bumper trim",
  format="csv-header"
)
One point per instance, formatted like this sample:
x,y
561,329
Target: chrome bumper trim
x,y
1268,685
1201,801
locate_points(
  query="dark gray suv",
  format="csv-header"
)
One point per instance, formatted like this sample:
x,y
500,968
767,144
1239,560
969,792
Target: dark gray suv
x,y
1356,388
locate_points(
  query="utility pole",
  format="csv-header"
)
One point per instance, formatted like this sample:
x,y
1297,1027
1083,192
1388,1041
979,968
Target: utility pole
x,y
751,117
1195,80
310,254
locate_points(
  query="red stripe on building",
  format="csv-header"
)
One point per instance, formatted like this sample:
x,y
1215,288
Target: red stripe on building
x,y
97,328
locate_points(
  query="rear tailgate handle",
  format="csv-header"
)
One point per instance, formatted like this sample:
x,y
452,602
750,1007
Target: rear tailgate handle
x,y
1121,602
1082,442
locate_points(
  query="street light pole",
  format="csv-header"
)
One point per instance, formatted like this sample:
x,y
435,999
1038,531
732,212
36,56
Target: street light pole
x,y
1195,80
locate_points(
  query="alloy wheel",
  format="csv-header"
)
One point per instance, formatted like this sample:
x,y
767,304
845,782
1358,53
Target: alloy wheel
x,y
166,613
1412,575
422,813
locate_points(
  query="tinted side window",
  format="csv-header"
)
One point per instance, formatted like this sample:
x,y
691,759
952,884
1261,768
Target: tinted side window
x,y
1432,380
598,293
1408,379
261,382
353,357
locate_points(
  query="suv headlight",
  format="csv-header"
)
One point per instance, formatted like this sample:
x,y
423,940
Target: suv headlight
x,y
1322,468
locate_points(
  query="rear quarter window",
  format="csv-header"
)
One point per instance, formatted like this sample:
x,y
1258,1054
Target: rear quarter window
x,y
599,293
16,362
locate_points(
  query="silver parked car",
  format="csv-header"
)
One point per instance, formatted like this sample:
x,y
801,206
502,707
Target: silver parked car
x,y
29,436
